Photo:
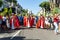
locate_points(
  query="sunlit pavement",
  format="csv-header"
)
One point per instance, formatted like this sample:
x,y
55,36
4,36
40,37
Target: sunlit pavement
x,y
30,34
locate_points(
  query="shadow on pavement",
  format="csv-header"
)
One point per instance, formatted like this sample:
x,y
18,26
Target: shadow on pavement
x,y
23,28
58,33
7,31
15,38
11,31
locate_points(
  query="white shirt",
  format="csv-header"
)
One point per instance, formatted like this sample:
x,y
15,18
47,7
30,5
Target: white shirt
x,y
4,18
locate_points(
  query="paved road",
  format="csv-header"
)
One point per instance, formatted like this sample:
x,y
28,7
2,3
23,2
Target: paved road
x,y
30,34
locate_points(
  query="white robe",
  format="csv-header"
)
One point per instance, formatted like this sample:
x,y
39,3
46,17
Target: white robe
x,y
12,24
28,24
7,23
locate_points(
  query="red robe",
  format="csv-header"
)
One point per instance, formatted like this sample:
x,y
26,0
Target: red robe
x,y
31,21
25,21
42,21
15,21
38,24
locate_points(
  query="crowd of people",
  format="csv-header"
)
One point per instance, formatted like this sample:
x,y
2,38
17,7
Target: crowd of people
x,y
15,22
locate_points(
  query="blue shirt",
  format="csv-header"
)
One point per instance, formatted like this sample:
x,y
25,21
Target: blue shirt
x,y
20,18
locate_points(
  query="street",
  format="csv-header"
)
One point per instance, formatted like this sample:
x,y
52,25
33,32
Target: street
x,y
30,34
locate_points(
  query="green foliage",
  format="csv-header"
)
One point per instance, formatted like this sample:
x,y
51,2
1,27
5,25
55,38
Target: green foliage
x,y
55,10
5,11
45,5
24,11
10,11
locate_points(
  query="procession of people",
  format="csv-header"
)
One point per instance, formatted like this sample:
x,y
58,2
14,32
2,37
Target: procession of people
x,y
15,22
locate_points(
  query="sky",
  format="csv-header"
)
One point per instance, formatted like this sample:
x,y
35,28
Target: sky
x,y
32,5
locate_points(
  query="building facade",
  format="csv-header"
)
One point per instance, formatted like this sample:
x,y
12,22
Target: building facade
x,y
54,3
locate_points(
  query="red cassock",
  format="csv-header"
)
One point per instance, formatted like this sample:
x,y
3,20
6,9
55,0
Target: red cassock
x,y
38,24
15,21
11,22
25,21
31,21
42,21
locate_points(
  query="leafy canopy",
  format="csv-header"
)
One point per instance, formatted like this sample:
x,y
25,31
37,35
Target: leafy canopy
x,y
45,5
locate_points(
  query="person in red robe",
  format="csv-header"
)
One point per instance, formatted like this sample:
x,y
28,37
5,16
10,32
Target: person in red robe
x,y
38,23
31,20
42,21
14,22
25,21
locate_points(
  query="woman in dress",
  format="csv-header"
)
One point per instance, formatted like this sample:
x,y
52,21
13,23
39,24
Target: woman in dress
x,y
56,23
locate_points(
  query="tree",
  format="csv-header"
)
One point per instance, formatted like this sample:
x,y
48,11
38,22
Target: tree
x,y
55,10
4,12
1,2
24,11
10,11
45,5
